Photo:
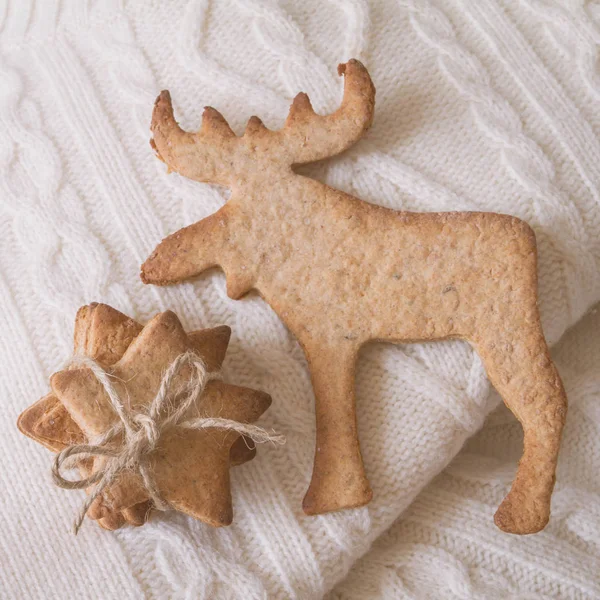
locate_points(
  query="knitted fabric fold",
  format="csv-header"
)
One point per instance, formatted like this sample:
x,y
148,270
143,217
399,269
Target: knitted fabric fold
x,y
445,544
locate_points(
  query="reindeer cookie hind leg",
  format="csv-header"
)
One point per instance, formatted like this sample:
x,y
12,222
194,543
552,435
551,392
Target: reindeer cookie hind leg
x,y
338,480
531,388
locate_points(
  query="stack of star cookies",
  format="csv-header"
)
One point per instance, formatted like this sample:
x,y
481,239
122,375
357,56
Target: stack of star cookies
x,y
190,467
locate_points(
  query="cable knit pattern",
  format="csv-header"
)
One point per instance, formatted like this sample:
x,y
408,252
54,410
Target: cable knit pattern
x,y
478,108
575,31
524,159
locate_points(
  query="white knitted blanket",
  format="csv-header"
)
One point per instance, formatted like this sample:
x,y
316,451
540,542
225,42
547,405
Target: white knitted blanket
x,y
485,105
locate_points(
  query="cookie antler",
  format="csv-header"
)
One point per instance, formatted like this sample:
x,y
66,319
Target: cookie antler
x,y
309,137
203,156
215,154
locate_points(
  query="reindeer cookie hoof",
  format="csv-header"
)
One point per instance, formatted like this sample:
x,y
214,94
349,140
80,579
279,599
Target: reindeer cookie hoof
x,y
316,503
522,516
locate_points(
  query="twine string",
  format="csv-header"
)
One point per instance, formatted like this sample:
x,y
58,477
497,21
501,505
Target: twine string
x,y
141,431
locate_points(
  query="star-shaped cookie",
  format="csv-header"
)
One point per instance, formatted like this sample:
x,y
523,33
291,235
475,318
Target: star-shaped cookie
x,y
190,467
103,334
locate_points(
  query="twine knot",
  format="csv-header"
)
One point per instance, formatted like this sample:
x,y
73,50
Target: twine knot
x,y
127,444
148,426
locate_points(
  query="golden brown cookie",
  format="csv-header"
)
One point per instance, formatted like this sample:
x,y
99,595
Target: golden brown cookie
x,y
103,334
190,467
341,272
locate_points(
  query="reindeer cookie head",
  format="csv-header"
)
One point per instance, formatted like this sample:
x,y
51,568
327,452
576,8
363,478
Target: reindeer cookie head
x,y
216,155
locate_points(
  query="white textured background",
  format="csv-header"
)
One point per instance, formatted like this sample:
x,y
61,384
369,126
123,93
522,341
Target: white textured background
x,y
486,105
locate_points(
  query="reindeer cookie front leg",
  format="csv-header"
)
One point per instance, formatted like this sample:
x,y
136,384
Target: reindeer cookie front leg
x,y
338,479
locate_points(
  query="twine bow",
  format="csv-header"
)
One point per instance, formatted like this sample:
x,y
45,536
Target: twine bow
x,y
141,431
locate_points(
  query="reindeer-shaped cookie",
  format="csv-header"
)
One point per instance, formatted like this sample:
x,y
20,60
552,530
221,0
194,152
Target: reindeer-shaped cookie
x,y
340,272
